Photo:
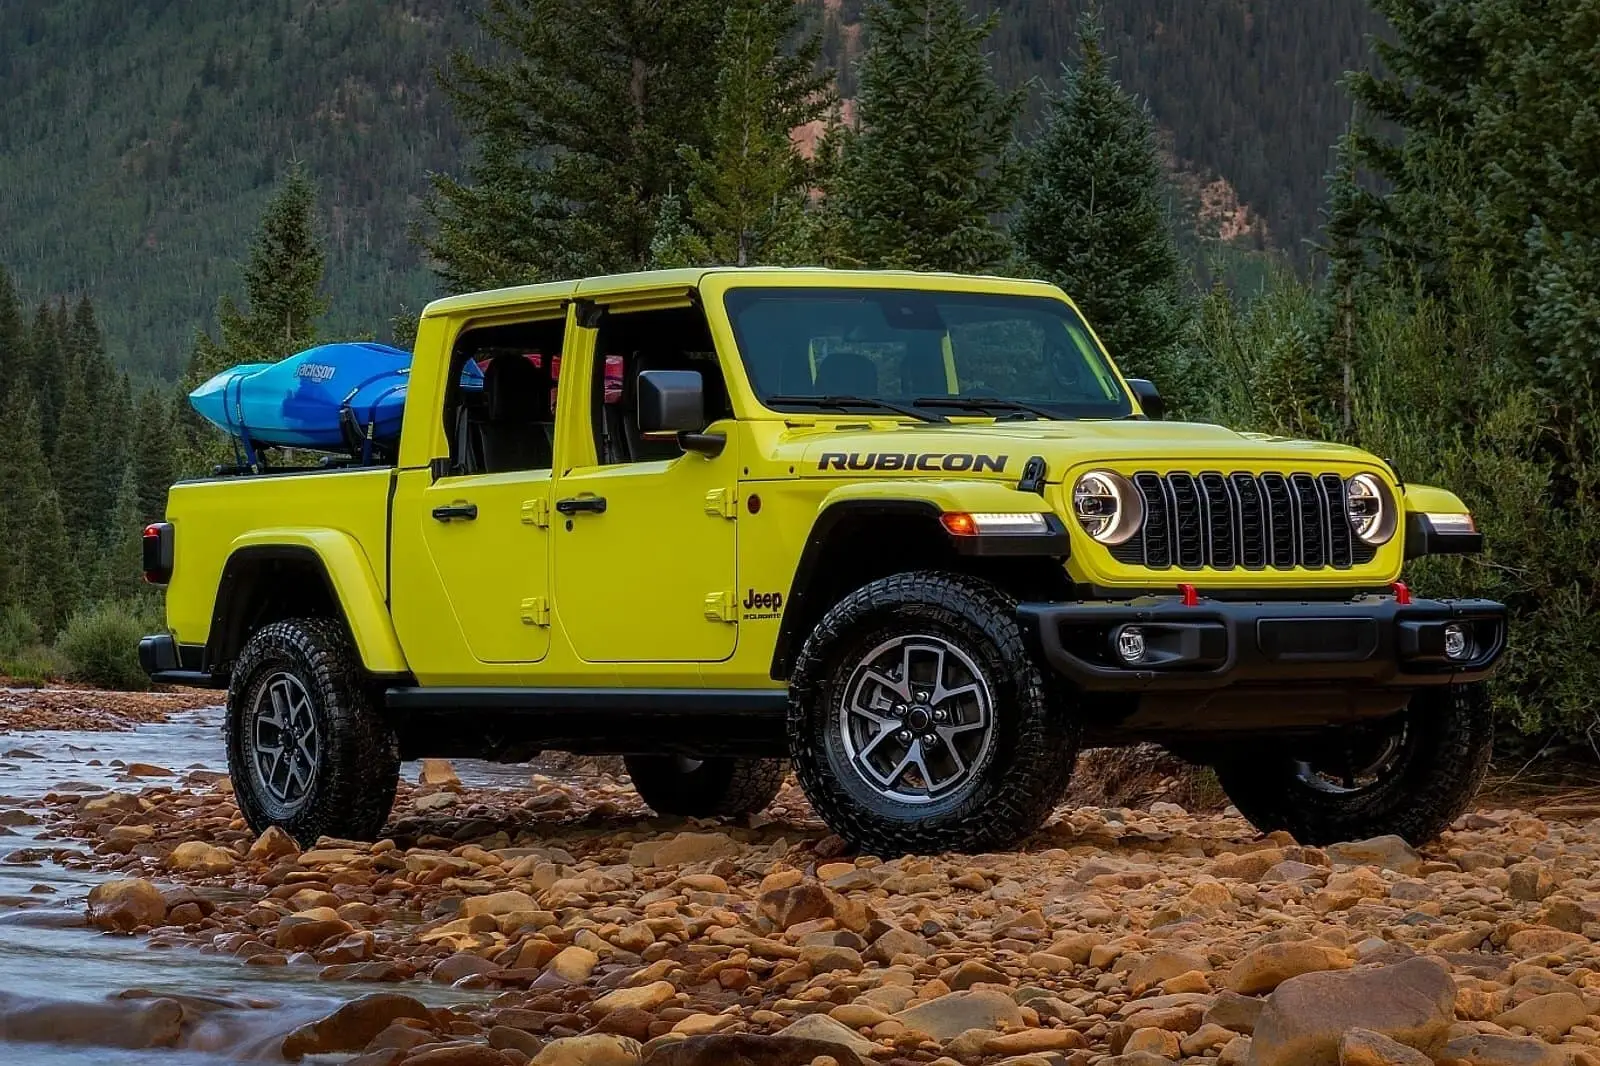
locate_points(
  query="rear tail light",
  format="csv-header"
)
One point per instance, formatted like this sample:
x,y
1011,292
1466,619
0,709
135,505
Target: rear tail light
x,y
157,542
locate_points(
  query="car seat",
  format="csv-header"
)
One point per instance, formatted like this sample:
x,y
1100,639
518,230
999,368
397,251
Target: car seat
x,y
514,435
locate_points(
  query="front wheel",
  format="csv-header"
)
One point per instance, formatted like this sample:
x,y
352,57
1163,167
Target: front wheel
x,y
919,722
714,787
307,749
1410,775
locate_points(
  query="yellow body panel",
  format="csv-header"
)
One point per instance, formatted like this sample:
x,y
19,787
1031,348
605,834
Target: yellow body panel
x,y
681,581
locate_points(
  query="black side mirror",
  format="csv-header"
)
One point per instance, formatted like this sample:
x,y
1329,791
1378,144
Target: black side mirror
x,y
1149,397
671,402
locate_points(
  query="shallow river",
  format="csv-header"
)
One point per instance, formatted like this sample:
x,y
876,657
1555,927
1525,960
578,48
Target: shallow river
x,y
47,952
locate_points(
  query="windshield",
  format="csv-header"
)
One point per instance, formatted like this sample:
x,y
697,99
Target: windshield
x,y
1031,355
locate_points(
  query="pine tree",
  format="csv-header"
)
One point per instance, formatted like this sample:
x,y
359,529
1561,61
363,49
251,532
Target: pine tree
x,y
75,466
124,552
282,284
49,371
24,486
15,363
154,459
53,582
747,194
578,118
930,167
1094,219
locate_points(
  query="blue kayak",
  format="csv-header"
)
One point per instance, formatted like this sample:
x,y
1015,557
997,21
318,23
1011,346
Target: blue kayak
x,y
335,397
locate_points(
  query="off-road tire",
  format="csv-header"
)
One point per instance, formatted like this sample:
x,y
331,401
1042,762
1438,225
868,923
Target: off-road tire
x,y
1008,793
1445,756
358,766
720,787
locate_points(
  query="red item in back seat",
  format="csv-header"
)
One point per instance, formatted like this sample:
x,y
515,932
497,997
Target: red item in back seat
x,y
613,379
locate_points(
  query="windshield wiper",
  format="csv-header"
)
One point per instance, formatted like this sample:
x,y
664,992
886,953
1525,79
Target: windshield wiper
x,y
982,403
844,403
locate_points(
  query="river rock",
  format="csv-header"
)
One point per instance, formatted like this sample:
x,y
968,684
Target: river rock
x,y
897,941
819,1028
1550,1015
1412,1002
645,997
948,1016
1270,965
112,1023
596,1049
574,964
460,1055
749,1049
273,844
1363,1047
1388,852
438,773
808,902
198,857
695,847
123,906
352,1026
462,964
509,902
1487,1049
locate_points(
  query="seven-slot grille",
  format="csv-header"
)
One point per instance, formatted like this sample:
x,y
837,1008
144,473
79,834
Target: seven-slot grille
x,y
1248,521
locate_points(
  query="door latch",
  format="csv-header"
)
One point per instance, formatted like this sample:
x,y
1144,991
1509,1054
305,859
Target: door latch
x,y
721,503
536,611
720,607
536,512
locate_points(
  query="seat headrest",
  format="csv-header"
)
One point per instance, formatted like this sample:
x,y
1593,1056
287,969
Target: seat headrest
x,y
516,390
847,374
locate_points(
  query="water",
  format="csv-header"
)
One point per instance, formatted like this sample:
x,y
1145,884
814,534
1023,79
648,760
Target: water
x,y
48,953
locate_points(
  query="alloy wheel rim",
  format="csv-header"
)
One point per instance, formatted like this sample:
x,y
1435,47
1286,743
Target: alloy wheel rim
x,y
917,719
285,741
1354,772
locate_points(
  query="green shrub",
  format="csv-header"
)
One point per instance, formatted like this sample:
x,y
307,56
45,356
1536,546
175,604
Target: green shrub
x,y
101,647
18,632
38,665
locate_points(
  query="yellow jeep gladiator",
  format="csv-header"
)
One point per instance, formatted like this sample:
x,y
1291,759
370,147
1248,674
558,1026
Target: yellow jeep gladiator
x,y
912,535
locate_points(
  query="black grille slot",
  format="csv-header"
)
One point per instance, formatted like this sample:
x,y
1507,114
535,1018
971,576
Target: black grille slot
x,y
1239,520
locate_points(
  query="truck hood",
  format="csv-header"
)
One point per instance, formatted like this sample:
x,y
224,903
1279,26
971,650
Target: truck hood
x,y
999,449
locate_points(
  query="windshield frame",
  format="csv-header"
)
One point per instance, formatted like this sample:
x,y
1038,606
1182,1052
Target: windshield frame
x,y
1043,297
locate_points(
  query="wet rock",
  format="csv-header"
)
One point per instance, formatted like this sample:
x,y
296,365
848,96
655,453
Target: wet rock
x,y
574,964
460,1055
352,1026
1490,1049
948,1016
645,997
273,844
1363,1047
114,1023
1412,1002
748,1049
498,903
695,847
1270,965
1386,852
301,932
438,773
457,966
1550,1016
198,857
123,906
598,1049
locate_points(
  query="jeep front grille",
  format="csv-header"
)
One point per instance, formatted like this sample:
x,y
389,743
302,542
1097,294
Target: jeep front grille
x,y
1243,521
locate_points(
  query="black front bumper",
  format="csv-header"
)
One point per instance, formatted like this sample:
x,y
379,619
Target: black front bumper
x,y
1366,641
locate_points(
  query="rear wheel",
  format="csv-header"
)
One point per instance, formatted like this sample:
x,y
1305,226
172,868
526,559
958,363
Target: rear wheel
x,y
1410,775
307,750
919,722
718,787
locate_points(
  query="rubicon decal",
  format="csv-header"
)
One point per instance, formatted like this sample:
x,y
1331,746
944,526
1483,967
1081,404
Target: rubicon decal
x,y
934,462
762,604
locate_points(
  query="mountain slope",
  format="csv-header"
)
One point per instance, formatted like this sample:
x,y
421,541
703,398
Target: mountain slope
x,y
140,138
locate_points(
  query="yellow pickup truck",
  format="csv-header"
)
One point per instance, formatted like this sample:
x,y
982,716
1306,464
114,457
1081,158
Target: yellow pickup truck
x,y
912,535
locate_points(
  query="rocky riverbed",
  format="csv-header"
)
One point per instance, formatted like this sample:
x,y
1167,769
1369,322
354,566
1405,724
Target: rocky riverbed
x,y
554,920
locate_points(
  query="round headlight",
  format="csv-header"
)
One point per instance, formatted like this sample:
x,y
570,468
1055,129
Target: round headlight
x,y
1371,509
1108,507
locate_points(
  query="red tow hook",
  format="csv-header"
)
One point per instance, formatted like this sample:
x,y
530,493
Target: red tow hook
x,y
1402,595
1191,596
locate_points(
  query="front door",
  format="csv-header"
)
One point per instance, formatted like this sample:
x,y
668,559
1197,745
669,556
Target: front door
x,y
645,557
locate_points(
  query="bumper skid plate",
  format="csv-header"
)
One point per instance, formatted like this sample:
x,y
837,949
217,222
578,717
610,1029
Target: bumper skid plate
x,y
1369,640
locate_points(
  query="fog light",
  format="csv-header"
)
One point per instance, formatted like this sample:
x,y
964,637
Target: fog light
x,y
1130,643
1456,644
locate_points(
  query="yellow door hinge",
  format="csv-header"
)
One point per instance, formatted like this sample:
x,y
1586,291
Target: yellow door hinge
x,y
722,503
536,512
720,607
536,611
